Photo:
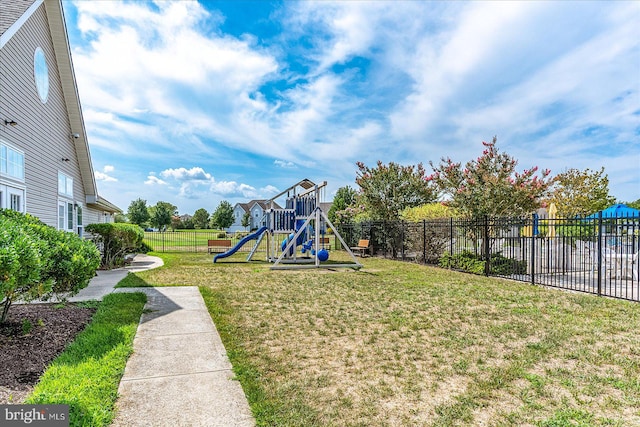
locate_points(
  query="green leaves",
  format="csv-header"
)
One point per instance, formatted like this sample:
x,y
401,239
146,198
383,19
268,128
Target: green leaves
x,y
36,260
387,190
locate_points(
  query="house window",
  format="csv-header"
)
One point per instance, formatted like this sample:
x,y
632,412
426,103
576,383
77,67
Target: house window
x,y
65,215
65,184
41,74
11,162
79,220
16,202
12,198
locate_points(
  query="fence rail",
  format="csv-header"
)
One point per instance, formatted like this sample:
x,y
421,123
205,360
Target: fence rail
x,y
598,255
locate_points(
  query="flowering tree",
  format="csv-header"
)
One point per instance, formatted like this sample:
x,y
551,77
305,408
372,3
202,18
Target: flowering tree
x,y
387,190
490,185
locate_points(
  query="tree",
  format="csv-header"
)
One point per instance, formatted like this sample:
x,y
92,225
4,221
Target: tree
x,y
246,220
120,218
162,214
223,215
490,185
344,198
387,190
581,193
635,204
138,212
176,222
201,218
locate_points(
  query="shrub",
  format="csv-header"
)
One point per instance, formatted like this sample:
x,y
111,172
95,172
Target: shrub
x,y
222,235
471,263
116,240
37,260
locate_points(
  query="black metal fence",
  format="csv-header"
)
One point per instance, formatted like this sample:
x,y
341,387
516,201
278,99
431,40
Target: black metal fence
x,y
598,255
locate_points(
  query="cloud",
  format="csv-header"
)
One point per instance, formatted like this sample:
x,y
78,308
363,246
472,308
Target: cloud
x,y
104,175
182,174
342,82
154,180
284,164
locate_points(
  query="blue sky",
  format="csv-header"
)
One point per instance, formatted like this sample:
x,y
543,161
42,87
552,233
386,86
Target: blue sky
x,y
198,102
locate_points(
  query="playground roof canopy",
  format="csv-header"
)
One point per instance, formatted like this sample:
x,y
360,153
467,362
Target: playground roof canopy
x,y
617,211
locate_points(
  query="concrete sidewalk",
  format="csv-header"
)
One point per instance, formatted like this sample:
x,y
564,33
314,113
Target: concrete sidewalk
x,y
105,280
179,373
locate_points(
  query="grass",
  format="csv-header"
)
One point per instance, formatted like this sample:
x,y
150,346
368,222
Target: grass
x,y
87,374
404,344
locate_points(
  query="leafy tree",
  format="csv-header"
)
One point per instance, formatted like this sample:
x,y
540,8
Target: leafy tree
x,y
201,218
582,193
344,198
635,204
246,220
490,185
387,190
162,214
138,212
223,215
428,212
120,218
176,222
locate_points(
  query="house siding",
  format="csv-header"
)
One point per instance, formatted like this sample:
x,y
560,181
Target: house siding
x,y
10,11
43,132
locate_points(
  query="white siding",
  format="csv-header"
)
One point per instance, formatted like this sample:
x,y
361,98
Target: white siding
x,y
43,132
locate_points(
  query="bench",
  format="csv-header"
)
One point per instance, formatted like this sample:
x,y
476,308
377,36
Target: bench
x,y
362,248
218,245
325,242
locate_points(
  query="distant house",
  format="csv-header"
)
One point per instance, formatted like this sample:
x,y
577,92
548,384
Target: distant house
x,y
256,209
45,164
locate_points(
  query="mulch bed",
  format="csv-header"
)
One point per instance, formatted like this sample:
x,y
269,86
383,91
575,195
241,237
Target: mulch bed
x,y
32,336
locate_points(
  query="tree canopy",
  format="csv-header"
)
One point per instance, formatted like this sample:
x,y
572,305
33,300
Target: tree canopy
x,y
345,197
201,218
490,185
162,214
581,193
138,212
387,190
223,215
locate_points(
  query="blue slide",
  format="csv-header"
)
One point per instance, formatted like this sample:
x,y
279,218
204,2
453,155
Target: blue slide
x,y
234,249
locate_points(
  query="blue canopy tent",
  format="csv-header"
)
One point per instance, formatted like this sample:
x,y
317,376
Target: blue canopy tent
x,y
617,211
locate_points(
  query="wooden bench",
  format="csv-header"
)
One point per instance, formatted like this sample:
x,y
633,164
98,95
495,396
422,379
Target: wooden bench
x,y
218,245
325,242
362,248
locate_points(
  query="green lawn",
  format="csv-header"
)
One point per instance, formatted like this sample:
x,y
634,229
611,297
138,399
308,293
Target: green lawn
x,y
87,374
404,344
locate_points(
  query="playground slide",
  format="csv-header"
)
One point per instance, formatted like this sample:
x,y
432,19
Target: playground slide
x,y
241,243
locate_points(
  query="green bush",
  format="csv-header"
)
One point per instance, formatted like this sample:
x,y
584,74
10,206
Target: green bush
x,y
116,240
37,260
471,263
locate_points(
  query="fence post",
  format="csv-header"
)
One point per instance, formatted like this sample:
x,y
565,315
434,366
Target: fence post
x,y
402,224
450,240
533,251
424,241
487,264
599,253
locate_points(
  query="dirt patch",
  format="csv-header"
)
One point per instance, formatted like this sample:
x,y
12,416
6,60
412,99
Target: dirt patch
x,y
32,336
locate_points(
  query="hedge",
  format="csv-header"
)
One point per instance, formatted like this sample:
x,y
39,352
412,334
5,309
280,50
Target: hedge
x,y
37,261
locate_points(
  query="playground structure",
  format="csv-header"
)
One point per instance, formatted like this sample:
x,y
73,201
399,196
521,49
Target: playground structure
x,y
293,234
